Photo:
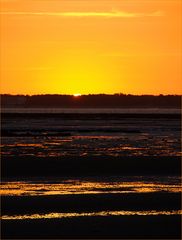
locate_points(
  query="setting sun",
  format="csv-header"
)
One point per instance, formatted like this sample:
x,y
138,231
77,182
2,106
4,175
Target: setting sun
x,y
90,94
77,95
69,46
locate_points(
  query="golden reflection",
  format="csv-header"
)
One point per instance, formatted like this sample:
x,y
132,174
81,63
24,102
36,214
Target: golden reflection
x,y
88,214
95,144
83,187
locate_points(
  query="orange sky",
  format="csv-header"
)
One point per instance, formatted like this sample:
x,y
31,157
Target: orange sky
x,y
91,46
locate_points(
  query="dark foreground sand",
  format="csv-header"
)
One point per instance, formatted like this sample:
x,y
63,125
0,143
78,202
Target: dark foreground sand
x,y
121,227
161,201
135,227
76,166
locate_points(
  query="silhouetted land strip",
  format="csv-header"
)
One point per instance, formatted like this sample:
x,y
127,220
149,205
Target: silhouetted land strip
x,y
30,166
92,101
131,227
20,205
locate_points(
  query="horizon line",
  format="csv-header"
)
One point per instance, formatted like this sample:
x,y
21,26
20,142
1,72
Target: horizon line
x,y
90,94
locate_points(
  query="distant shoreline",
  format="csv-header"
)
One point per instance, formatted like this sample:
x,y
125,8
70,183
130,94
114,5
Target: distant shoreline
x,y
91,101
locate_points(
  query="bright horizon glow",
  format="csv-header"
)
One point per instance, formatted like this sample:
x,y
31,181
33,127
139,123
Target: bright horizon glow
x,y
91,47
77,95
111,14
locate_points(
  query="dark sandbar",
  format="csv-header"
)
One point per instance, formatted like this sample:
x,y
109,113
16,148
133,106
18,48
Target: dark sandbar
x,y
130,227
31,166
162,201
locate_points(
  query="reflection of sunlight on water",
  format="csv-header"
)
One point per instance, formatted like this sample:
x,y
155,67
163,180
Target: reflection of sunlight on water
x,y
84,187
88,214
124,144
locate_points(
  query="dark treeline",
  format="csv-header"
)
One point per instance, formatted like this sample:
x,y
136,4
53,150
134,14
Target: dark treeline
x,y
92,101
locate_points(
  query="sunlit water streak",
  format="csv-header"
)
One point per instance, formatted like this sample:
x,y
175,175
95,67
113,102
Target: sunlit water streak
x,y
85,187
97,136
89,214
117,144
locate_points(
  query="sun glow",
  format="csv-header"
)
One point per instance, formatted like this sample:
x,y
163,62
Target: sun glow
x,y
90,47
77,95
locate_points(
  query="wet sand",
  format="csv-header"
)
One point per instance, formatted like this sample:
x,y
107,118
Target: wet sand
x,y
31,166
90,202
130,227
136,227
42,169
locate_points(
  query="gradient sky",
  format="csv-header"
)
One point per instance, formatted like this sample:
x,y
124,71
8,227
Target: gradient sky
x,y
91,46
